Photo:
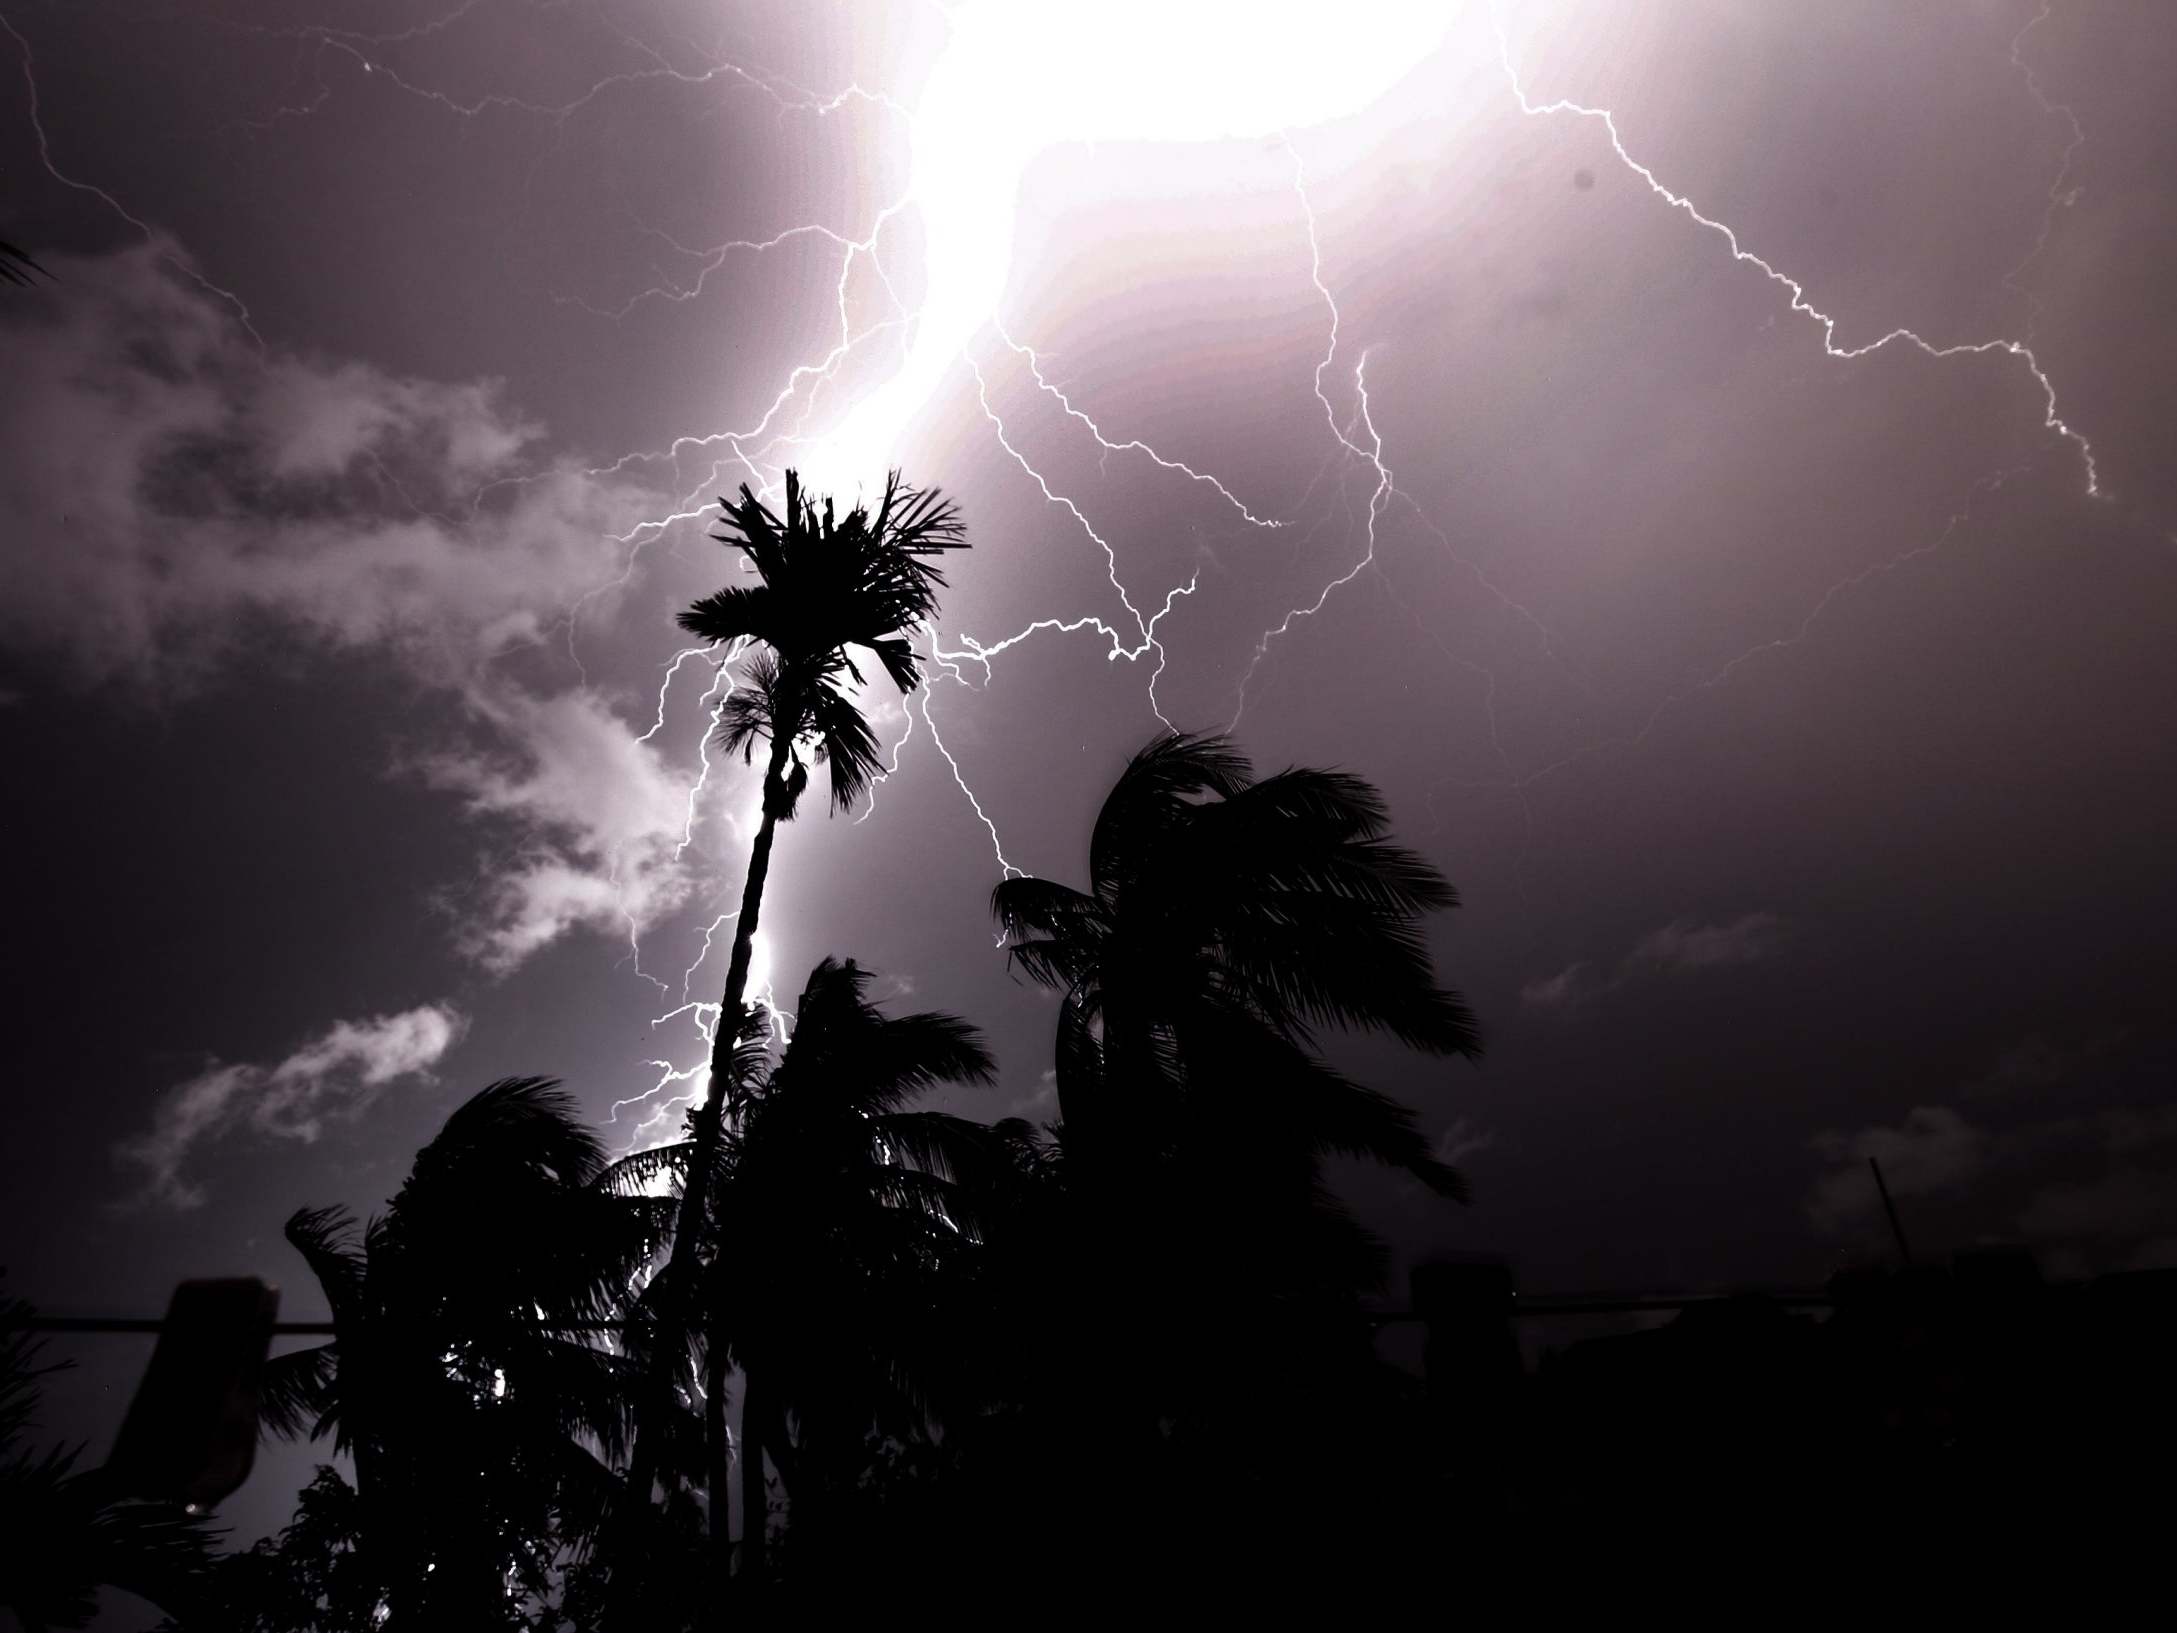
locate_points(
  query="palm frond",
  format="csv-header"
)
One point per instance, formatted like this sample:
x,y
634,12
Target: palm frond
x,y
326,1238
1152,798
940,1144
516,1123
295,1392
845,744
919,521
1274,1085
16,266
900,661
1034,911
919,1051
754,709
634,1173
731,614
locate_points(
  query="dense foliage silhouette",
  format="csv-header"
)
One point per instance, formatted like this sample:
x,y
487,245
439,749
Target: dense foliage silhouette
x,y
952,1345
65,1530
837,1212
465,1380
1206,1274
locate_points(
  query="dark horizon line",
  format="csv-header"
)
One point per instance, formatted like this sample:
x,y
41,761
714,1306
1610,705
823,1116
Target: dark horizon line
x,y
1521,1304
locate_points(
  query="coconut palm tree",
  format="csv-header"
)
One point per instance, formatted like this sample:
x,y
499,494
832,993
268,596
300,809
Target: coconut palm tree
x,y
855,1198
826,584
463,1374
1208,1276
1228,919
852,1205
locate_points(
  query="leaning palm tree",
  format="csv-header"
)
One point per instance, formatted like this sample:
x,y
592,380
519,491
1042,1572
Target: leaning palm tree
x,y
826,585
1226,920
1206,1274
852,1202
463,1376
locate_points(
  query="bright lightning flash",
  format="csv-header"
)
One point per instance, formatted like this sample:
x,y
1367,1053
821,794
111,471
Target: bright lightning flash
x,y
1014,79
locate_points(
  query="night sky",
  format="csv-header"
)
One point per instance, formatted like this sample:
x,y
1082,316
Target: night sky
x,y
1794,717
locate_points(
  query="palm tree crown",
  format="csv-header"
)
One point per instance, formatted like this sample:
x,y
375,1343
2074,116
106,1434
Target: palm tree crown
x,y
1228,919
828,584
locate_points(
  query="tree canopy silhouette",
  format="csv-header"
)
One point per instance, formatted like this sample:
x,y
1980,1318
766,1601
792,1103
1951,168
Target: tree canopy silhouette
x,y
481,1413
837,1207
65,1531
1199,1274
1227,921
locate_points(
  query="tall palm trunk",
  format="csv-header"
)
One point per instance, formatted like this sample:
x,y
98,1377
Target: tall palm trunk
x,y
709,1122
755,1502
694,1197
715,1373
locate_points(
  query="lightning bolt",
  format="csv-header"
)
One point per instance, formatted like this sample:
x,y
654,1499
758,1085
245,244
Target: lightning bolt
x,y
1133,445
1372,452
151,235
1130,633
981,653
2052,419
997,846
2061,195
889,772
356,45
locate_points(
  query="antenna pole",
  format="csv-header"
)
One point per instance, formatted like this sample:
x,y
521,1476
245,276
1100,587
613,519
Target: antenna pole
x,y
1904,1251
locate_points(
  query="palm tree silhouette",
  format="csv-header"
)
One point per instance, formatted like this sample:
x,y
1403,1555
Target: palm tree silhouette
x,y
461,1375
852,1206
826,584
1226,920
1206,1275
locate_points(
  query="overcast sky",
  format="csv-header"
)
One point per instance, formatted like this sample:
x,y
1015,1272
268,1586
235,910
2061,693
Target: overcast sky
x,y
1796,726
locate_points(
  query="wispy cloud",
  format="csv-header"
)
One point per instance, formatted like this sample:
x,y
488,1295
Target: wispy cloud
x,y
165,482
1683,946
2092,1191
1933,1150
333,1076
1568,986
601,822
1461,1140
